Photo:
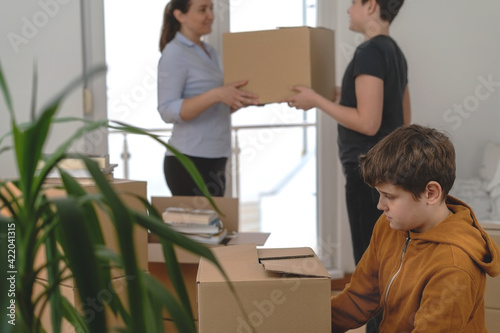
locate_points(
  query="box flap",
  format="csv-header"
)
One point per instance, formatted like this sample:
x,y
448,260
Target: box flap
x,y
294,261
240,262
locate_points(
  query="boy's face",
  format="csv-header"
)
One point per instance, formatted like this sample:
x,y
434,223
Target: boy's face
x,y
357,13
402,210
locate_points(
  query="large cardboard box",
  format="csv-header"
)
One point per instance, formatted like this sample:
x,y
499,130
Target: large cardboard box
x,y
280,290
188,261
274,60
128,191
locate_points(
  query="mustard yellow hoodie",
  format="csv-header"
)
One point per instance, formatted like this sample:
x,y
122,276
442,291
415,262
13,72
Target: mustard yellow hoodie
x,y
425,282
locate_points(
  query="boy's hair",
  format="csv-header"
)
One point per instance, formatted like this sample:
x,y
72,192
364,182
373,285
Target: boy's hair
x,y
410,157
388,8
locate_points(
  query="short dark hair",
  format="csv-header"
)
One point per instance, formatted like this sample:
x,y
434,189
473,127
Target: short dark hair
x,y
410,157
388,8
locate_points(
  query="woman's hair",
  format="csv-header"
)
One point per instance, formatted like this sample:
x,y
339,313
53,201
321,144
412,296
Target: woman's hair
x,y
410,157
170,24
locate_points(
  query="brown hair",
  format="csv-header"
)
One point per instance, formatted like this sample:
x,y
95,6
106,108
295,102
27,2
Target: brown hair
x,y
170,24
410,157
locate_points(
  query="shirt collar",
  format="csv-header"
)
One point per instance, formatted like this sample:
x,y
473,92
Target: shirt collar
x,y
184,40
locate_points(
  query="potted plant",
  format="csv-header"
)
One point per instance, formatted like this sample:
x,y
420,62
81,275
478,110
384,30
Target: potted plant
x,y
67,230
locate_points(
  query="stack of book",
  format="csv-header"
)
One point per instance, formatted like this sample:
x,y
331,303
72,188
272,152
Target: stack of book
x,y
202,225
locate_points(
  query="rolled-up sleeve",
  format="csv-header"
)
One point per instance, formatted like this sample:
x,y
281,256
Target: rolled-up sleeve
x,y
172,75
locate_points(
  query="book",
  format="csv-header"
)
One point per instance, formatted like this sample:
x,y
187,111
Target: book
x,y
196,228
189,215
209,239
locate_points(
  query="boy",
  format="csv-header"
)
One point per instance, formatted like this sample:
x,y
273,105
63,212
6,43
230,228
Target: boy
x,y
426,263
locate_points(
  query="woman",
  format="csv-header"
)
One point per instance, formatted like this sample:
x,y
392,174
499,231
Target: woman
x,y
191,95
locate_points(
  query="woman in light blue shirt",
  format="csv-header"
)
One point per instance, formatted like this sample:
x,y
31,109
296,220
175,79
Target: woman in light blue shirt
x,y
191,95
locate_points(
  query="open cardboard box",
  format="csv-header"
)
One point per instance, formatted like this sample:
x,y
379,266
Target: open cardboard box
x,y
188,261
274,60
281,290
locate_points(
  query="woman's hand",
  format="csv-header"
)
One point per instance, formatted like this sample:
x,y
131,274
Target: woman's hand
x,y
305,98
235,98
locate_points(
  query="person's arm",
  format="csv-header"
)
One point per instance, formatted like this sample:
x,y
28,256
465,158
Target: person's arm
x,y
229,94
447,302
172,77
360,300
365,119
406,107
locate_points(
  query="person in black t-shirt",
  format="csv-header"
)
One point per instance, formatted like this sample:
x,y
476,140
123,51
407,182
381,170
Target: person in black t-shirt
x,y
374,100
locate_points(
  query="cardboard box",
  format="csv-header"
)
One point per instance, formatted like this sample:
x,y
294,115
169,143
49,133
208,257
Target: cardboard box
x,y
274,60
189,272
126,189
229,208
281,290
87,307
189,261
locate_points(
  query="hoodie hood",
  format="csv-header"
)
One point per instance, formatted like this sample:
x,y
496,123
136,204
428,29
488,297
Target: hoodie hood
x,y
461,229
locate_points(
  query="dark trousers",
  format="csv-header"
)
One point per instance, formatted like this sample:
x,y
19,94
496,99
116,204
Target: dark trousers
x,y
362,211
213,171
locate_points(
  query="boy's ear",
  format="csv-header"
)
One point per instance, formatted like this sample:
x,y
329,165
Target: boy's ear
x,y
372,6
433,192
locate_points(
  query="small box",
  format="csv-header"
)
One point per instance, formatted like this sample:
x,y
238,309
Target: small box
x,y
280,290
127,190
274,60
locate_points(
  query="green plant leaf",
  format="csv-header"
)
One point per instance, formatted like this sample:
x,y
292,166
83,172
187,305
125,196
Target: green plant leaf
x,y
171,262
123,222
61,151
73,316
183,159
52,255
80,253
6,93
92,224
183,320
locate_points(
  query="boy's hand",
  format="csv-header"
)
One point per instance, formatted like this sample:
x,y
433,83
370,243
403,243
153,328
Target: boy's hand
x,y
305,98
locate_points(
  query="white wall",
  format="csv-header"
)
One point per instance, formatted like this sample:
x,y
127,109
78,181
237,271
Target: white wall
x,y
48,32
452,47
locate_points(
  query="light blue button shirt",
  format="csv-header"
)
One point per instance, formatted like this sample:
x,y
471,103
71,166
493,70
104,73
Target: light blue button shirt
x,y
184,71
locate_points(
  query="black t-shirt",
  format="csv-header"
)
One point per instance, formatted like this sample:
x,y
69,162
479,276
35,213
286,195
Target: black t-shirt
x,y
380,57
